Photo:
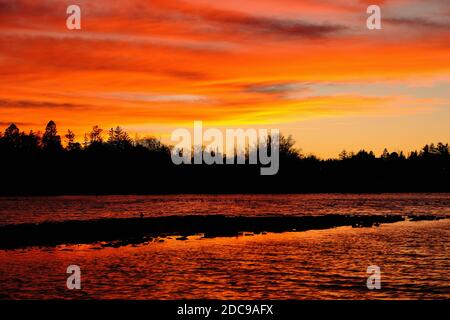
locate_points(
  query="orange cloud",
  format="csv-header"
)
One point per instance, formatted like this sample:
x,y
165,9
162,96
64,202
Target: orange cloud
x,y
163,63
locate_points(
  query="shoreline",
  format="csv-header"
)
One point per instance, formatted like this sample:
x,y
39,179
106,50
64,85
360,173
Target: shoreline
x,y
124,231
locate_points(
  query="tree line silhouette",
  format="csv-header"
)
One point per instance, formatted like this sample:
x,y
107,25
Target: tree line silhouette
x,y
37,163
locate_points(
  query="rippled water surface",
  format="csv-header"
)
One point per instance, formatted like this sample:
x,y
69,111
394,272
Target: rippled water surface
x,y
327,264
38,209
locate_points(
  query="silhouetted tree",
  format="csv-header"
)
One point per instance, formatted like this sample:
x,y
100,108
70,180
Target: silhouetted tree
x,y
385,154
124,166
12,133
443,149
151,143
119,139
343,155
10,140
51,141
71,144
95,135
413,155
70,137
29,143
287,147
363,155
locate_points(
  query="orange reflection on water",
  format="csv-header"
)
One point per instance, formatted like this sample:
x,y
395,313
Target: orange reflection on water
x,y
322,264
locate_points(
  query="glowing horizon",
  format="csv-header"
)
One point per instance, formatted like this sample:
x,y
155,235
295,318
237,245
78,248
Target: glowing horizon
x,y
311,69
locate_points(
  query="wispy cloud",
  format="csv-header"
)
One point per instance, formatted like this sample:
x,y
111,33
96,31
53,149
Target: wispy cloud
x,y
33,104
418,22
137,63
6,124
120,37
271,88
154,97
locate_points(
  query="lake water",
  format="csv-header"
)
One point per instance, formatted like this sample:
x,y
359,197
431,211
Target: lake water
x,y
319,264
39,209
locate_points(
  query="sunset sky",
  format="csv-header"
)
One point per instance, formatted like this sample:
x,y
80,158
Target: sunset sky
x,y
310,68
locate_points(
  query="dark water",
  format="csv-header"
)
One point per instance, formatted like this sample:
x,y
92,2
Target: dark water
x,y
328,264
